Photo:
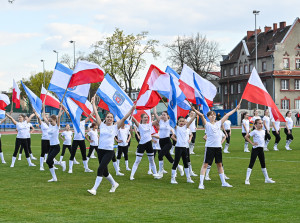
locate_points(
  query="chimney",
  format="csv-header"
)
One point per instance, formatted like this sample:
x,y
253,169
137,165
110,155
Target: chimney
x,y
249,34
258,31
274,27
282,25
267,28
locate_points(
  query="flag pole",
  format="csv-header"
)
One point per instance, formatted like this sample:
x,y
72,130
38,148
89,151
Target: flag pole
x,y
64,96
164,102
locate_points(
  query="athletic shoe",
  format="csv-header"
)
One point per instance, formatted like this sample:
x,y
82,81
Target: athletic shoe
x,y
180,168
158,176
70,171
172,153
33,158
42,169
226,185
226,177
266,149
19,158
149,172
269,181
76,162
173,180
226,151
128,169
3,162
87,170
193,174
201,187
31,164
246,151
247,182
92,192
192,153
131,178
164,172
275,149
189,180
63,164
52,180
287,148
207,178
55,167
114,187
93,157
120,174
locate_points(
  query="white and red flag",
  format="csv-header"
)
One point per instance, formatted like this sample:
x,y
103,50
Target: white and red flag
x,y
4,101
50,99
256,92
85,73
16,94
87,107
138,114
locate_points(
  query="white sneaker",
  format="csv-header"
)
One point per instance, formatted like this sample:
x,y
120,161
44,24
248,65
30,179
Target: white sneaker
x,y
150,172
247,182
131,178
201,187
173,180
42,169
192,153
52,180
246,151
276,149
180,168
93,157
31,164
76,162
207,178
55,167
19,158
128,169
158,176
70,171
266,149
91,191
114,187
164,172
172,153
189,180
33,158
193,174
12,165
3,162
269,181
287,148
63,164
120,174
226,151
87,170
226,185
226,177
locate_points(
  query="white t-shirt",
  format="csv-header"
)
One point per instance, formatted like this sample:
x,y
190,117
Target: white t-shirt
x,y
123,135
89,125
267,120
155,144
67,137
145,133
22,130
164,129
289,121
28,125
107,136
277,125
254,118
258,137
214,136
246,123
53,133
227,124
182,136
192,125
93,134
78,135
45,128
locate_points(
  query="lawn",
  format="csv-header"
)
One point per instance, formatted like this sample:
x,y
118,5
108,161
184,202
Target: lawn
x,y
26,196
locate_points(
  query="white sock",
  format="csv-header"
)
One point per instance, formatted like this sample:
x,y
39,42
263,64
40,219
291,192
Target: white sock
x,y
246,146
135,165
97,183
28,160
13,160
116,167
222,177
31,156
161,166
264,170
71,164
201,179
85,164
118,163
290,141
187,173
173,173
61,158
126,164
46,155
111,180
2,157
41,162
249,170
153,166
190,167
56,162
207,171
20,156
52,171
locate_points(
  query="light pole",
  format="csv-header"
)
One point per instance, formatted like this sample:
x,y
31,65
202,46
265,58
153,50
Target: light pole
x,y
43,61
56,55
71,41
255,12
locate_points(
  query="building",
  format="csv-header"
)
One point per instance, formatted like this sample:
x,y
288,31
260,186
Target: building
x,y
278,56
214,77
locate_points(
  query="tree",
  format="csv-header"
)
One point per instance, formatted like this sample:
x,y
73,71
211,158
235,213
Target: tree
x,y
196,51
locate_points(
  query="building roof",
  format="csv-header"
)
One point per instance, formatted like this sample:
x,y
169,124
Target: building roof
x,y
218,74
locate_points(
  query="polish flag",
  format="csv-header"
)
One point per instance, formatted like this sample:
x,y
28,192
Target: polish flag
x,y
4,101
87,107
16,94
85,73
256,92
138,114
50,100
154,80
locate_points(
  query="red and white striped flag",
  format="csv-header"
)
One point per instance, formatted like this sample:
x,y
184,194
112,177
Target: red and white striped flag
x,y
50,100
16,94
4,101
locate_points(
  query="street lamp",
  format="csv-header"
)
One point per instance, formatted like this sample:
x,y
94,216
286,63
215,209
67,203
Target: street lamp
x,y
56,55
255,12
71,41
43,61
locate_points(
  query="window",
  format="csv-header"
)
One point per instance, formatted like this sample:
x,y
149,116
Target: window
x,y
297,104
235,71
231,71
286,63
232,105
264,66
225,106
284,84
297,84
250,67
241,69
285,104
239,88
231,88
225,89
218,90
224,73
297,64
246,71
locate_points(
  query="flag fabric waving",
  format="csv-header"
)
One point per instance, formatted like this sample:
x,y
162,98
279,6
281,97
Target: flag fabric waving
x,y
148,98
85,73
4,101
256,92
2,114
60,79
75,113
103,105
172,105
116,99
16,94
138,114
35,101
87,108
200,100
50,99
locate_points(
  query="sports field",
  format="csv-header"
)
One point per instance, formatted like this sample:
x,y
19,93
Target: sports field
x,y
26,196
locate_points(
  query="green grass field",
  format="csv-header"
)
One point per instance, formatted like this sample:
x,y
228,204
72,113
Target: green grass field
x,y
26,196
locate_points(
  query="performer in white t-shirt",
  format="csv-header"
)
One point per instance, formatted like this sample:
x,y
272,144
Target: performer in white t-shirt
x,y
124,137
30,129
193,129
227,132
276,132
245,130
92,137
266,127
288,130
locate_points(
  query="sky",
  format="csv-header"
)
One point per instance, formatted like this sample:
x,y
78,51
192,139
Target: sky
x,y
31,29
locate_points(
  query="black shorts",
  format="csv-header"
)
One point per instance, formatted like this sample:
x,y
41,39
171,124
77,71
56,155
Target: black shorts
x,y
244,134
194,137
145,147
212,153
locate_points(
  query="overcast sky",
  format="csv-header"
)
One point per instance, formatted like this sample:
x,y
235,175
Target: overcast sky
x,y
31,29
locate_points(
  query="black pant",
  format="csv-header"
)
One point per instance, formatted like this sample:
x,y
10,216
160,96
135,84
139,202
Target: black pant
x,y
91,150
288,136
156,151
104,157
54,150
145,147
28,147
259,151
244,134
81,144
277,136
64,149
180,152
194,137
297,121
267,135
165,145
188,155
0,146
23,143
122,149
45,147
228,136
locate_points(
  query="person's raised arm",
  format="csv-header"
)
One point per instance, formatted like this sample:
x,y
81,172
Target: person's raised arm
x,y
30,117
60,113
98,119
225,117
11,118
121,122
155,114
38,118
135,122
3,120
191,120
201,116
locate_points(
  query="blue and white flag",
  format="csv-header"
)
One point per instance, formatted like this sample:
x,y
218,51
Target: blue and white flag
x,y
200,100
172,105
116,99
2,114
35,101
75,113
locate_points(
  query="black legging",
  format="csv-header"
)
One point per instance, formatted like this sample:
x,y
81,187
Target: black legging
x,y
194,137
23,143
259,151
288,136
122,149
45,147
81,144
64,149
54,150
180,152
267,135
91,150
228,136
0,146
156,151
277,136
114,158
28,146
165,145
173,141
188,155
104,157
